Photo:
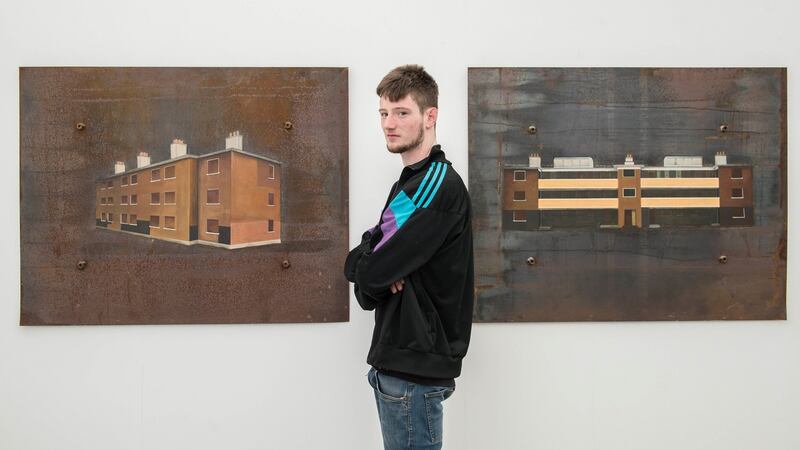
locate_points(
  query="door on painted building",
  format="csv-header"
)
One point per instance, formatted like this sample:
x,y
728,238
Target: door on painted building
x,y
630,218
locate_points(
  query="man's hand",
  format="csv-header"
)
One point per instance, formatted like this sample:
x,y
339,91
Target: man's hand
x,y
397,286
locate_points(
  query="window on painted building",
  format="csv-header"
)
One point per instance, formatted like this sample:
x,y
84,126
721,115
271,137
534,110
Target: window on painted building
x,y
169,198
520,175
124,200
212,167
212,197
134,179
169,222
125,180
155,174
110,184
737,193
628,172
271,199
109,200
519,196
736,173
169,172
102,217
155,198
110,217
629,192
270,171
518,216
102,200
133,219
123,218
134,199
270,226
739,213
154,221
212,226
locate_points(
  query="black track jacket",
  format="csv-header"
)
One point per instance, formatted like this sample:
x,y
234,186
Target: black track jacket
x,y
424,237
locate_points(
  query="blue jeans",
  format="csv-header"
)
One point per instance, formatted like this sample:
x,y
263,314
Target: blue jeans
x,y
410,414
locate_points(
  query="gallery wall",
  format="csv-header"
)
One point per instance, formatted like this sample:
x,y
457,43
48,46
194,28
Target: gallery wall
x,y
564,386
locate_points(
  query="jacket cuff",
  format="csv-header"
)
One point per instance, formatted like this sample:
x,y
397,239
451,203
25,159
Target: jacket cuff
x,y
351,263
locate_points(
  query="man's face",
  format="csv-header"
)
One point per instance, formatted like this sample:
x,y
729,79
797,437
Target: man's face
x,y
403,124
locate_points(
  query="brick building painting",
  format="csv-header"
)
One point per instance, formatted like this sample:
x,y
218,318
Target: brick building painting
x,y
227,198
575,193
627,194
141,203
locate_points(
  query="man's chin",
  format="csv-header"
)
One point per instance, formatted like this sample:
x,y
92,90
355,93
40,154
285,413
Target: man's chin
x,y
397,149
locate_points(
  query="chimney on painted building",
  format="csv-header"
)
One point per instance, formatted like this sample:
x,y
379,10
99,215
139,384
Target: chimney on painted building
x,y
234,141
720,159
177,148
534,160
119,167
143,159
629,159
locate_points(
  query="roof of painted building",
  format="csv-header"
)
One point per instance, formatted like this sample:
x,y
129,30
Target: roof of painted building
x,y
188,156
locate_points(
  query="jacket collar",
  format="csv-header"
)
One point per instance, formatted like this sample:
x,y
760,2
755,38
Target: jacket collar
x,y
436,155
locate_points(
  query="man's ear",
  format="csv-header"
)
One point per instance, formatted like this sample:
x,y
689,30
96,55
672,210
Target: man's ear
x,y
431,115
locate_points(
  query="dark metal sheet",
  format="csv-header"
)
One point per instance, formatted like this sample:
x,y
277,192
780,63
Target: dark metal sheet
x,y
667,264
136,279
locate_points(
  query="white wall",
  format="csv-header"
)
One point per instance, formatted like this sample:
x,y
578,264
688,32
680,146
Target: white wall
x,y
691,385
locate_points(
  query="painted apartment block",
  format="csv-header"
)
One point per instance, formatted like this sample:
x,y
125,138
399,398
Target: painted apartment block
x,y
575,193
228,198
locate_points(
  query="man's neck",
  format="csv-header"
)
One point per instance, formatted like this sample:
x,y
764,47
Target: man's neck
x,y
418,154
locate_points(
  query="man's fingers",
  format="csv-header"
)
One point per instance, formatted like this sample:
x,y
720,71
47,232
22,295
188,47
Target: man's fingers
x,y
397,286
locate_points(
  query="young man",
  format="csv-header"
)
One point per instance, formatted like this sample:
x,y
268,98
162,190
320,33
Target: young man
x,y
414,268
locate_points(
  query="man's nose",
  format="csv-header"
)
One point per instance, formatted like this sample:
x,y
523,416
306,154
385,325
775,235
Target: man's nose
x,y
389,122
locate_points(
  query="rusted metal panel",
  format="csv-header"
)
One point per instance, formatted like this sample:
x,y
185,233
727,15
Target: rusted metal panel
x,y
680,214
279,264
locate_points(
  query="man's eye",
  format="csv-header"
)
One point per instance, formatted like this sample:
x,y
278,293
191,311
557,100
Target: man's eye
x,y
384,115
403,113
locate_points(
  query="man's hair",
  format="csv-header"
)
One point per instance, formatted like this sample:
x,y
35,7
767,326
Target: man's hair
x,y
410,80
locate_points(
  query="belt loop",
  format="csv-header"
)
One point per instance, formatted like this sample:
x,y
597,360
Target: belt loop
x,y
377,380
